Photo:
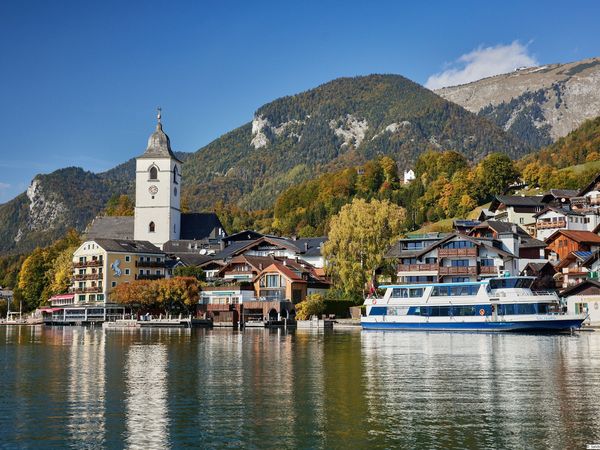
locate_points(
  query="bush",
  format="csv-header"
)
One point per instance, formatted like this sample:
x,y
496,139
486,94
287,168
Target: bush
x,y
314,305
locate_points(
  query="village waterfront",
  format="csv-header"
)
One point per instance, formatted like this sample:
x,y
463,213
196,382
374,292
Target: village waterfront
x,y
85,387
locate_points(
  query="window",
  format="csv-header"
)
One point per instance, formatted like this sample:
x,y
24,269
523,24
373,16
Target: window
x,y
451,291
488,262
175,178
459,244
82,298
430,260
127,258
113,284
459,263
153,173
151,227
460,279
100,297
521,220
175,192
174,228
413,245
127,272
409,260
378,311
158,272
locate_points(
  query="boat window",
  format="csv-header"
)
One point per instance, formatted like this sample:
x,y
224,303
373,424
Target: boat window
x,y
524,308
400,293
415,292
451,291
378,311
510,283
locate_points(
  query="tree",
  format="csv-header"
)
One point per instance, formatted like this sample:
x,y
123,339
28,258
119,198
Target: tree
x,y
192,271
119,205
313,305
359,236
32,279
166,293
495,173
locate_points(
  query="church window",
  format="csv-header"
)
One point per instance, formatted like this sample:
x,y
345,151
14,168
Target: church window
x,y
174,228
175,176
151,227
153,173
175,192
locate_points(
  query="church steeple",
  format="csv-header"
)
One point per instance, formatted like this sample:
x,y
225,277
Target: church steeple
x,y
159,144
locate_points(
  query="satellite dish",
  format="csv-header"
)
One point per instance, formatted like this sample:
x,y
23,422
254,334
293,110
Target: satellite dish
x,y
203,251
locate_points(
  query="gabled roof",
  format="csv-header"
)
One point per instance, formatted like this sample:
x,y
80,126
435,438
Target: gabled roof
x,y
244,235
501,227
573,290
482,242
579,256
586,237
529,242
110,227
199,225
128,246
515,200
564,211
192,259
589,186
559,194
535,269
281,268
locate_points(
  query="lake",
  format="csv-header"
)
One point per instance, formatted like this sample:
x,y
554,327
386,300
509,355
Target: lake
x,y
85,388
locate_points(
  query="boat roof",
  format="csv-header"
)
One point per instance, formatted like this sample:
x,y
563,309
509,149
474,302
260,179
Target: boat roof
x,y
463,283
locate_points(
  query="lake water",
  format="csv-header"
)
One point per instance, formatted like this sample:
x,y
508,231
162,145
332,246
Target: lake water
x,y
84,388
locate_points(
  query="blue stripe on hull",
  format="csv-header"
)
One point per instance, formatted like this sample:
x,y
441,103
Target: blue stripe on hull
x,y
545,325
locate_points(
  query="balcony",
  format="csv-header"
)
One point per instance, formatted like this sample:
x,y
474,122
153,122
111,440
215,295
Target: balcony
x,y
488,270
149,264
91,263
545,225
446,252
149,277
417,267
87,276
467,270
87,290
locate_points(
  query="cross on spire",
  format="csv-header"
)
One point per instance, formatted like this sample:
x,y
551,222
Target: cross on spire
x,y
158,113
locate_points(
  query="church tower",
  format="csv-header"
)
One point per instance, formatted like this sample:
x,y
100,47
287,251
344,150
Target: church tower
x,y
157,191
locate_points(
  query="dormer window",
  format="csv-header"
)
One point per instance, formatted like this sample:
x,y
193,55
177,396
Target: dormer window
x,y
151,227
153,173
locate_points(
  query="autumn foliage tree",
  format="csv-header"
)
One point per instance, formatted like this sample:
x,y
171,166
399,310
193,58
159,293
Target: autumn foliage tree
x,y
359,236
166,293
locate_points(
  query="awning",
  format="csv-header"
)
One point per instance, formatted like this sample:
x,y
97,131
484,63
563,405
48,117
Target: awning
x,y
49,310
63,297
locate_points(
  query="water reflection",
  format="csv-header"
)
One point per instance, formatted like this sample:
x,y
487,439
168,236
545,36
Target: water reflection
x,y
78,387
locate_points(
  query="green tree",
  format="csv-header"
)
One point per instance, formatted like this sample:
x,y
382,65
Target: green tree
x,y
192,271
313,305
495,173
359,236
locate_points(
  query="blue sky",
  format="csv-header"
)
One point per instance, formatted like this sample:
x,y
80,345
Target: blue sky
x,y
80,81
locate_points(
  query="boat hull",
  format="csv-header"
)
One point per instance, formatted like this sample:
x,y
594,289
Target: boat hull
x,y
553,325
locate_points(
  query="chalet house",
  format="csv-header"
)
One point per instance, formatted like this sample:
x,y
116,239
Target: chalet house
x,y
584,298
563,242
588,197
289,280
453,258
515,239
559,198
553,218
573,268
516,209
544,274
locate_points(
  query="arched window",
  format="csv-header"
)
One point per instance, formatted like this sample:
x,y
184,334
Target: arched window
x,y
175,175
153,173
151,227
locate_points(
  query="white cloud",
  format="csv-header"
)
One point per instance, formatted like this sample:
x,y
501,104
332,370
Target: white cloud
x,y
4,186
483,62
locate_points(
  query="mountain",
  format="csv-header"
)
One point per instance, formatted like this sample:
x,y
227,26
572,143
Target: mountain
x,y
343,123
537,104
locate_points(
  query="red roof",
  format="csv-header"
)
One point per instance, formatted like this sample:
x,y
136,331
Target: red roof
x,y
578,236
62,297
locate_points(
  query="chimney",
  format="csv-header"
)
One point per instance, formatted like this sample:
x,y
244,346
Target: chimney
x,y
305,247
222,244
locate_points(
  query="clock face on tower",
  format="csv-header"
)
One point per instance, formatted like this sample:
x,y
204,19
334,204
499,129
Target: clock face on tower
x,y
153,190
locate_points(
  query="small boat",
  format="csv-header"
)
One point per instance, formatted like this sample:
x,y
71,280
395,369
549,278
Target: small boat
x,y
496,304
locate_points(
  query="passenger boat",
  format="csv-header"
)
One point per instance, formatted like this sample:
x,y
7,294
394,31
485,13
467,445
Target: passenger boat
x,y
496,304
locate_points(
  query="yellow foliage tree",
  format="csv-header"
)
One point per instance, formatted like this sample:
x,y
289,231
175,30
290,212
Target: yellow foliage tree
x,y
359,236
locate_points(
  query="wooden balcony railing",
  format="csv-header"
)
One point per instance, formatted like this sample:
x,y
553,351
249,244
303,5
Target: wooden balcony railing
x,y
418,267
445,252
545,225
467,270
87,276
91,263
488,270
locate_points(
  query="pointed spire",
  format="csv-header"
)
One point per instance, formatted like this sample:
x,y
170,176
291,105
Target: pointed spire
x,y
158,117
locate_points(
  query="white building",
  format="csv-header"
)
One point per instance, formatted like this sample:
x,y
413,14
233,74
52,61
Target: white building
x,y
584,298
157,216
552,219
409,175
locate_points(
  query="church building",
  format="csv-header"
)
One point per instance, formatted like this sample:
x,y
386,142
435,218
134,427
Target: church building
x,y
158,218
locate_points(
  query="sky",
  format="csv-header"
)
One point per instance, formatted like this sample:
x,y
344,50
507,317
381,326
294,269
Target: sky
x,y
80,81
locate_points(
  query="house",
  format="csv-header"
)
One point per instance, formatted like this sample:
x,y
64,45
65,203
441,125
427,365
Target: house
x,y
544,274
289,280
588,197
516,209
559,198
464,226
573,268
515,239
99,265
409,175
584,298
563,242
552,218
453,258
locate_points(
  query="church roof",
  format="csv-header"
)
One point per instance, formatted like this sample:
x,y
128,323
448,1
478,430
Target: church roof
x,y
194,226
159,144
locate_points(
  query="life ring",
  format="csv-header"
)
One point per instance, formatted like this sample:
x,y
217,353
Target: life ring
x,y
482,312
374,302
